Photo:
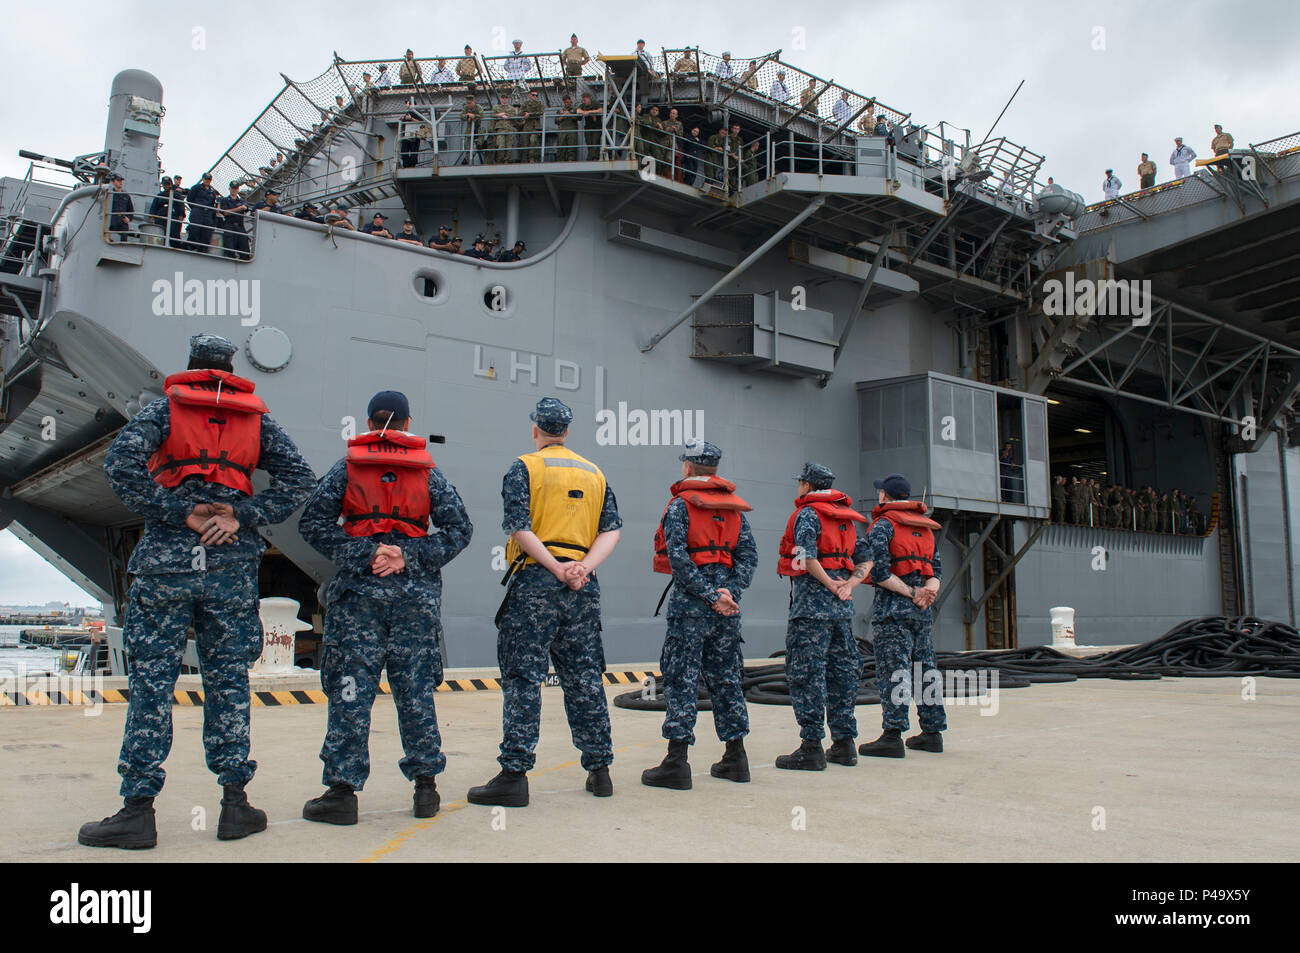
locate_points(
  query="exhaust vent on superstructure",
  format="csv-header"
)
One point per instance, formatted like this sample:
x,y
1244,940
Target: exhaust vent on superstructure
x,y
650,239
763,332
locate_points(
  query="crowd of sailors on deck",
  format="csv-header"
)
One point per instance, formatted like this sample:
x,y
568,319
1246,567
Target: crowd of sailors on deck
x,y
1083,501
198,219
1181,159
502,119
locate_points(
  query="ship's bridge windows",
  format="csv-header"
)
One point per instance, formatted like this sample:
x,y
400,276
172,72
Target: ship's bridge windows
x,y
429,285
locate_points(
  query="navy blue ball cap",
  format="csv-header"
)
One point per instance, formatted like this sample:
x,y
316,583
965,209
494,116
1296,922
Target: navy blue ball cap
x,y
895,486
552,416
393,401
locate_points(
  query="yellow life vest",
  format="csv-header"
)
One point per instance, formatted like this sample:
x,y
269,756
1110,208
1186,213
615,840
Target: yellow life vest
x,y
565,496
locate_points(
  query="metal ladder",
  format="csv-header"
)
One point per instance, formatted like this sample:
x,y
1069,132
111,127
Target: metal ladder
x,y
1000,609
1224,514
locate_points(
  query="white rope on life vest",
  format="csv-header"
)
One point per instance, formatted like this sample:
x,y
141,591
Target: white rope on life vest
x,y
218,390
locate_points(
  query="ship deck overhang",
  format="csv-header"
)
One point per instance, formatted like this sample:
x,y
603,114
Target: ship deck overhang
x,y
1223,340
858,215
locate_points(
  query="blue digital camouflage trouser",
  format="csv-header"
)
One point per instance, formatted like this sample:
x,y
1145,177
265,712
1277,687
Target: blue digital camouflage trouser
x,y
543,621
698,646
900,644
363,635
221,605
822,666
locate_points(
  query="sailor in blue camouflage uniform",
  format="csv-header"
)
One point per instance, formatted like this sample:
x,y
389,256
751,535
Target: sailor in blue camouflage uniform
x,y
822,661
901,618
384,605
196,565
562,519
706,542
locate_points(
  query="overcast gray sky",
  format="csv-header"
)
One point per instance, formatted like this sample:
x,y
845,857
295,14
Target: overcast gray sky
x,y
1103,81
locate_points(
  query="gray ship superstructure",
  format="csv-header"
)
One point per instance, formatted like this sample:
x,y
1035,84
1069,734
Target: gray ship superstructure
x,y
871,302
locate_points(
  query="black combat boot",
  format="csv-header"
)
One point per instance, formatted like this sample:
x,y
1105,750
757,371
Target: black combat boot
x,y
426,799
338,805
238,817
130,828
809,756
888,745
842,751
598,782
508,789
927,741
673,772
734,765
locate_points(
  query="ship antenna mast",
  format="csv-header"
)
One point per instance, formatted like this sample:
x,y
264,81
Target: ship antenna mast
x,y
1000,115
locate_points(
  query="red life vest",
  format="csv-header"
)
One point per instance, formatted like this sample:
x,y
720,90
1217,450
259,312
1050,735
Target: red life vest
x,y
837,538
388,484
713,522
912,548
214,430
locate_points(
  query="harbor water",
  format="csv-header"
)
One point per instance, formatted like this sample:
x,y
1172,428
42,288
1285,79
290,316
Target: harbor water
x,y
17,660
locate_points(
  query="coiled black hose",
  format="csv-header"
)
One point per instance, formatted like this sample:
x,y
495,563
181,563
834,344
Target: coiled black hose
x,y
1209,647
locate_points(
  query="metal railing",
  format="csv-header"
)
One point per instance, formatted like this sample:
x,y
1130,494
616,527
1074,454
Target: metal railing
x,y
1179,521
162,221
1011,481
292,125
20,232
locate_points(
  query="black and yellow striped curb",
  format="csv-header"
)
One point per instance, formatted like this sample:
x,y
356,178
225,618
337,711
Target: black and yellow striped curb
x,y
271,699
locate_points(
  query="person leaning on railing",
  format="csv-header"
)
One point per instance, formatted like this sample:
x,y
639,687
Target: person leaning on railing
x,y
337,217
167,211
591,113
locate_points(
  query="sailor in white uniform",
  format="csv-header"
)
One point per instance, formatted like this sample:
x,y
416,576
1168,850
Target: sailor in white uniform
x,y
1111,186
1181,159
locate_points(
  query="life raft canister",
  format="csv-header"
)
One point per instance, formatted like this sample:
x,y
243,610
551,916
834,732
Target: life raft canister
x,y
388,484
837,538
214,430
566,493
713,522
912,548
